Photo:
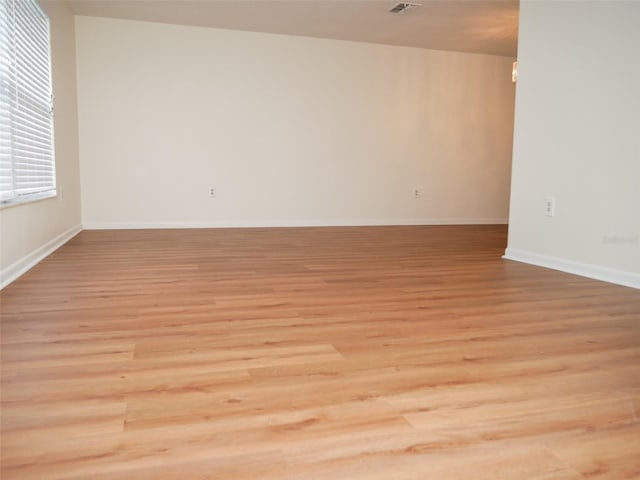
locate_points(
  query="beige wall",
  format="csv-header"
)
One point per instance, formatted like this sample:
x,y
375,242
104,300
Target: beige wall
x,y
27,228
577,138
290,130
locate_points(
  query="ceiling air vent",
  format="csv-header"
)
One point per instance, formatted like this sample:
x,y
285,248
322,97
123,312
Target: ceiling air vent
x,y
403,7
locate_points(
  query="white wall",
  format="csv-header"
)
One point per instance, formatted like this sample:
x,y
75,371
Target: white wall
x,y
290,130
577,137
30,231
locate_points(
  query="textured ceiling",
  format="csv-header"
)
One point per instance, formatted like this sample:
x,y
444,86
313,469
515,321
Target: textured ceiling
x,y
476,26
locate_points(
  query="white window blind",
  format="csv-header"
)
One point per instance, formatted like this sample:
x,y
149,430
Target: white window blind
x,y
27,166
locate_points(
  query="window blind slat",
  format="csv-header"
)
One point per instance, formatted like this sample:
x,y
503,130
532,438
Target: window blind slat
x,y
33,119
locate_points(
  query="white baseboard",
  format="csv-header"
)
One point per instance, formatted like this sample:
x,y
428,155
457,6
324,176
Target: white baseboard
x,y
293,223
619,277
16,269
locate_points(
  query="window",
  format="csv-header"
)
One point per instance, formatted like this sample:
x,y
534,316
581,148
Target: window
x,y
27,167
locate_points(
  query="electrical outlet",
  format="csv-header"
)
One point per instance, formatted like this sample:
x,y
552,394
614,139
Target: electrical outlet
x,y
417,193
212,192
550,207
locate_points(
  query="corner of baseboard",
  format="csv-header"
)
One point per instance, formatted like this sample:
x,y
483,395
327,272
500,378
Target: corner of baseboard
x,y
26,263
596,272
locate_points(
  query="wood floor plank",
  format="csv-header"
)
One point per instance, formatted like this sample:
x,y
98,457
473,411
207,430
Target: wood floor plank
x,y
28,422
591,453
377,353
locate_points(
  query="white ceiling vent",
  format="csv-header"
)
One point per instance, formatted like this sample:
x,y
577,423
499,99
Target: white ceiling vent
x,y
403,7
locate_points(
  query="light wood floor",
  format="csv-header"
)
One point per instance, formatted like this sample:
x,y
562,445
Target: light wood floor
x,y
324,353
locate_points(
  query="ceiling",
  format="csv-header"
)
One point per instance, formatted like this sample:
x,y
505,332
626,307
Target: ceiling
x,y
476,26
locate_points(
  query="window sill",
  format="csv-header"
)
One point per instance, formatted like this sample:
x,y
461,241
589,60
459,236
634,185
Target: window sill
x,y
36,197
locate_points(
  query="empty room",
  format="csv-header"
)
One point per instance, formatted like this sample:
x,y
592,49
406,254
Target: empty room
x,y
319,239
